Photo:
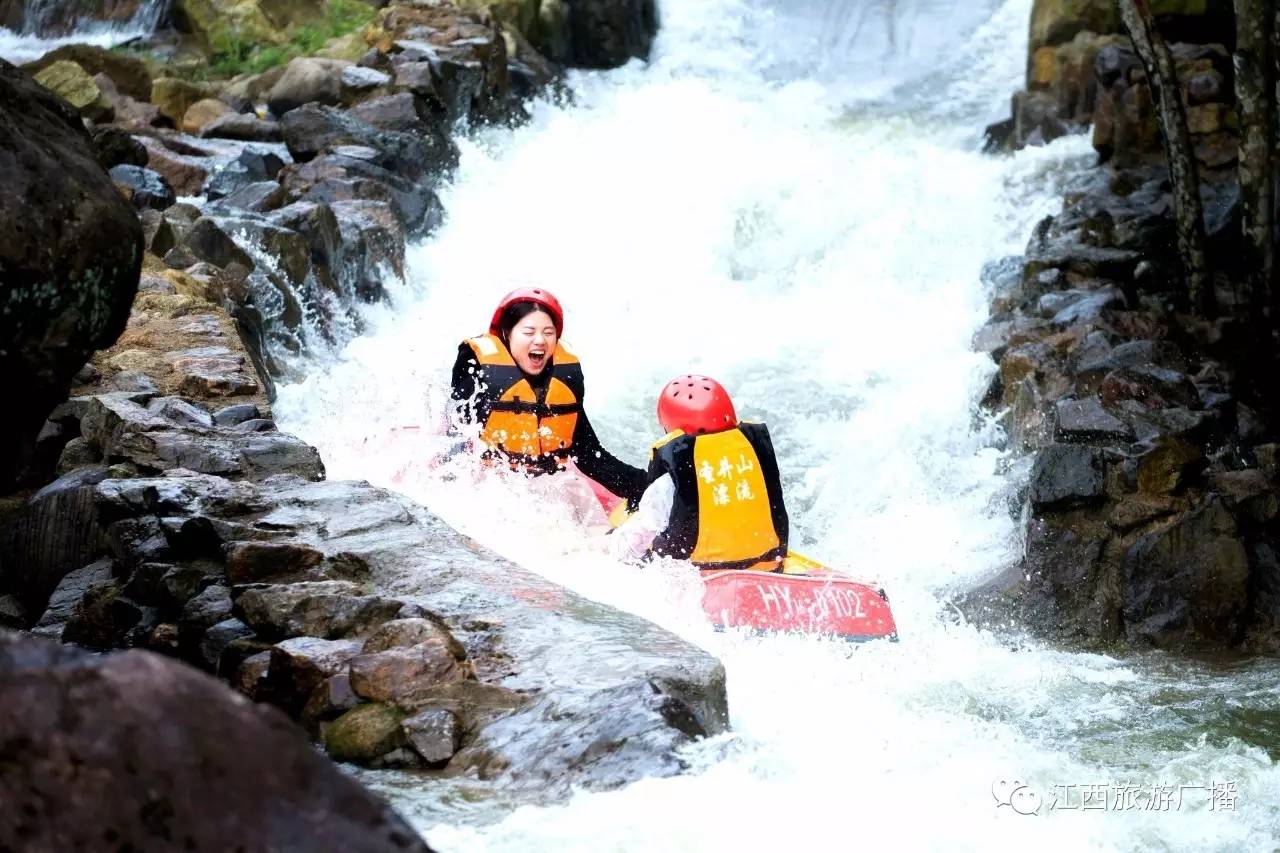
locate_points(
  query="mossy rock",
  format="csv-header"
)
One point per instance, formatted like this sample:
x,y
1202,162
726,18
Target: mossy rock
x,y
365,734
521,14
128,73
173,96
224,24
73,84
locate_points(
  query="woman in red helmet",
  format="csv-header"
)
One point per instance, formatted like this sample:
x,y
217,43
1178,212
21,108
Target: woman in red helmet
x,y
524,388
715,496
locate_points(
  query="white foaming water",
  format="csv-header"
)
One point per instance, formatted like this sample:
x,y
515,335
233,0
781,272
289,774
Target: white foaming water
x,y
19,48
29,44
719,210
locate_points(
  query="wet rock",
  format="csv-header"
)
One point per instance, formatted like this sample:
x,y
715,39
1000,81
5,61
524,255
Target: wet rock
x,y
249,562
128,74
1086,421
245,127
1027,424
1094,262
1138,510
12,613
73,229
56,530
434,735
258,197
403,676
218,638
1066,475
1266,454
1089,307
143,585
1149,424
358,83
377,237
69,592
73,84
1246,493
179,411
301,664
404,632
1132,354
253,166
185,173
608,33
1165,468
211,606
143,792
202,113
336,178
365,734
327,609
1186,585
181,584
255,425
402,112
134,541
102,618
207,240
232,415
330,700
1152,386
312,129
115,147
173,97
251,674
1019,362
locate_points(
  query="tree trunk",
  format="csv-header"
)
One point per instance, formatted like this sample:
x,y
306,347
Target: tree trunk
x,y
1255,90
1187,209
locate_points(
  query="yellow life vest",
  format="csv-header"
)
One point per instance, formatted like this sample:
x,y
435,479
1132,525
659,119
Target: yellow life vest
x,y
517,423
728,511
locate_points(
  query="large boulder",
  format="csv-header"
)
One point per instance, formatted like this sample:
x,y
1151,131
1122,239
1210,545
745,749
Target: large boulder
x,y
75,86
609,33
71,250
135,751
307,80
1186,585
313,129
130,75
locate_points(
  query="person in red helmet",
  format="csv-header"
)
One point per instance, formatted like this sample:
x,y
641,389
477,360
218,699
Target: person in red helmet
x,y
715,494
524,388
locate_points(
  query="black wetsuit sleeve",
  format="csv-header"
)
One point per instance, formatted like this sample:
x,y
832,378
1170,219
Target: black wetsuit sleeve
x,y
466,402
758,435
625,481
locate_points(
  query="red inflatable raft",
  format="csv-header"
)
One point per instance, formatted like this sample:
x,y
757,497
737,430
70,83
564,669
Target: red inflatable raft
x,y
806,596
815,602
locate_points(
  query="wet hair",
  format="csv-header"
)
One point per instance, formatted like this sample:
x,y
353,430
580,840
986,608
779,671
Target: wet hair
x,y
514,313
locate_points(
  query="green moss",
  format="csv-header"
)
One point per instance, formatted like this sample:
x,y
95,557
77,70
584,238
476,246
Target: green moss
x,y
234,54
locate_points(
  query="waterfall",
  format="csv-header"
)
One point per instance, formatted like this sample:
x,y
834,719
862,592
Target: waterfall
x,y
789,196
35,27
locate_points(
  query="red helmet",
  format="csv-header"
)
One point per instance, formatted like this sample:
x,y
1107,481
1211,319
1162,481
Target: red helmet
x,y
695,404
529,294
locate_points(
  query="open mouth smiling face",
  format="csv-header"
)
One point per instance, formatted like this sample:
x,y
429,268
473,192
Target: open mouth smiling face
x,y
533,342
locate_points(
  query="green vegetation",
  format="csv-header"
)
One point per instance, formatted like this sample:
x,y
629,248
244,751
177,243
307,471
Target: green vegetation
x,y
233,54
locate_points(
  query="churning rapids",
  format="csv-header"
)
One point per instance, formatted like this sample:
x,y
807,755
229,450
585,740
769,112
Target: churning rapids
x,y
790,197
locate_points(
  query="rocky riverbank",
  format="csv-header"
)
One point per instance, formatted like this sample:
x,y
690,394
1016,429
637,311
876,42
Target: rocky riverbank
x,y
1153,505
158,508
